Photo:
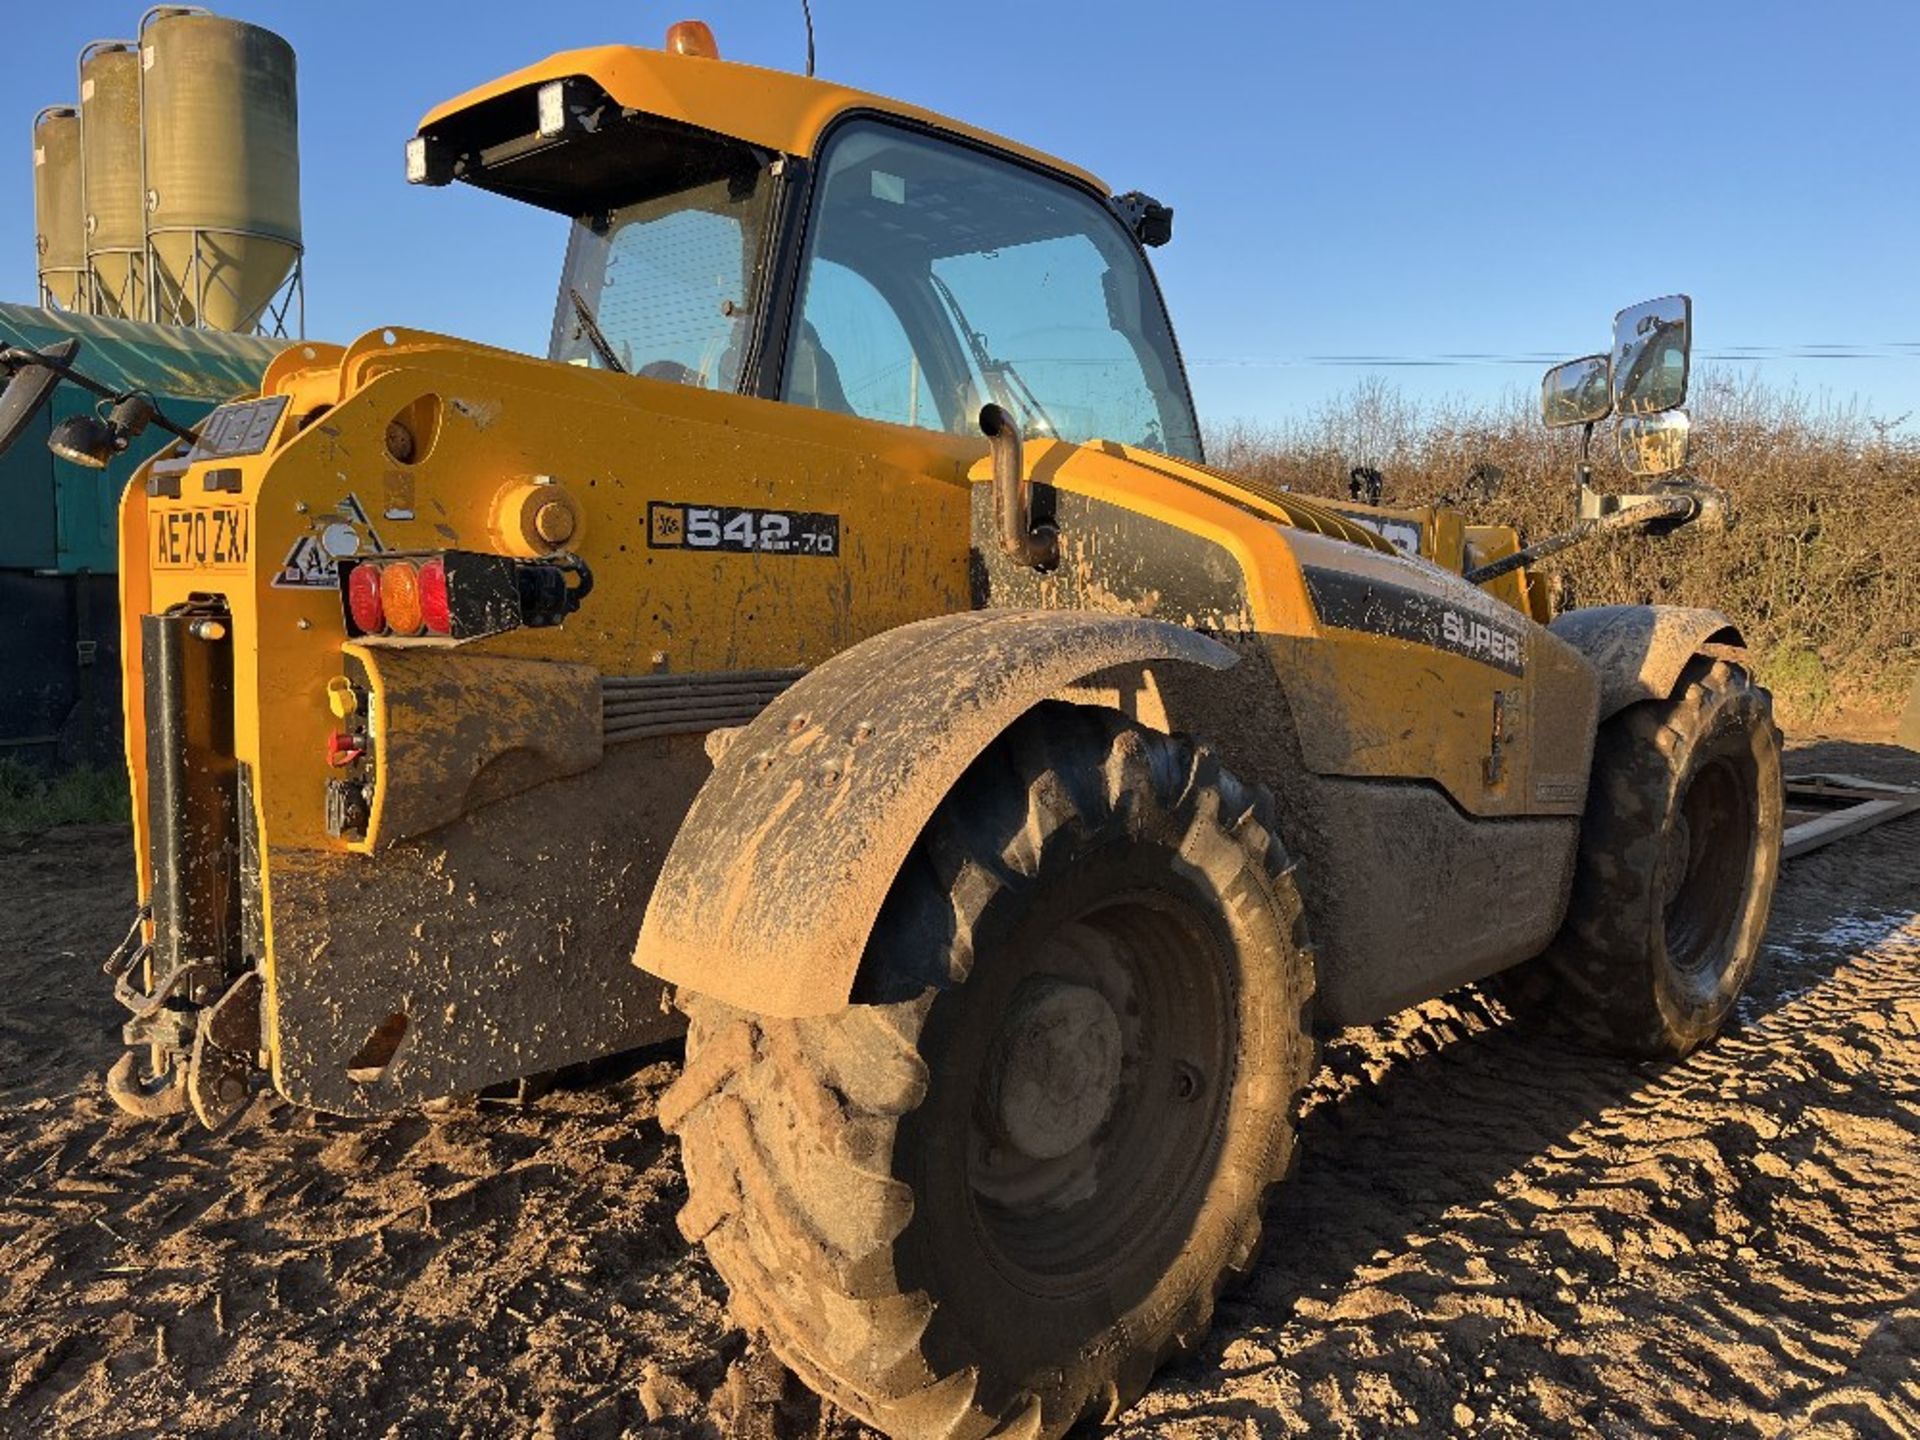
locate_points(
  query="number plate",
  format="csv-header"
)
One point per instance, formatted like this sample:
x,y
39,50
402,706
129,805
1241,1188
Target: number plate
x,y
673,525
201,537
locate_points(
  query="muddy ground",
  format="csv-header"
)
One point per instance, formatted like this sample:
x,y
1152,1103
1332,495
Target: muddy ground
x,y
1489,1233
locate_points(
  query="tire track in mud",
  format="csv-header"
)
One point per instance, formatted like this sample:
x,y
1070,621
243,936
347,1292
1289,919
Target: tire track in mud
x,y
59,896
1491,1234
1488,1233
490,1274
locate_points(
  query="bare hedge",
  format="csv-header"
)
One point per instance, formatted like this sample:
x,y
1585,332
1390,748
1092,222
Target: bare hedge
x,y
1821,569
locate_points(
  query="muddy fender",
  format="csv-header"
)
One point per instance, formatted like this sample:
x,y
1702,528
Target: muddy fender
x,y
1639,651
772,885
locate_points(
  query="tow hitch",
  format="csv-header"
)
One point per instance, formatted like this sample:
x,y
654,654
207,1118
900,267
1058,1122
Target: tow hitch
x,y
204,1056
148,1096
183,972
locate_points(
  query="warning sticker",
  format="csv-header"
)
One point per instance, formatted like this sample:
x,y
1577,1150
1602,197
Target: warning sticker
x,y
310,563
307,567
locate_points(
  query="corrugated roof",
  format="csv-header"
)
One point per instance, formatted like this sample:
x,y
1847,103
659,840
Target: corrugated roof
x,y
209,365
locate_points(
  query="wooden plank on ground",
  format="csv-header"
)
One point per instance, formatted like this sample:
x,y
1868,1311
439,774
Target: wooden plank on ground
x,y
1843,787
1839,824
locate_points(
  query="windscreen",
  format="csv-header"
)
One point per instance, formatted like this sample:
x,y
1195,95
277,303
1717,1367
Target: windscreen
x,y
665,286
940,277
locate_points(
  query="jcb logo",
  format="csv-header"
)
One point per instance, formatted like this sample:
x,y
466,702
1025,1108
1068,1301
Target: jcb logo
x,y
666,524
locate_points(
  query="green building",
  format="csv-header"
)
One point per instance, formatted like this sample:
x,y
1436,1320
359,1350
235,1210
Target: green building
x,y
59,634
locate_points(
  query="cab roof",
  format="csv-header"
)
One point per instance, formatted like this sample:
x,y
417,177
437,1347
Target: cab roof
x,y
772,109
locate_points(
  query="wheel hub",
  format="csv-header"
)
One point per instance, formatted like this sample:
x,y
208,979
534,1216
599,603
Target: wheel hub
x,y
1055,1071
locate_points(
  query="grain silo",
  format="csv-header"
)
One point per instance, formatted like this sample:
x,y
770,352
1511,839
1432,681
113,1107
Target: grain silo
x,y
222,170
59,214
116,227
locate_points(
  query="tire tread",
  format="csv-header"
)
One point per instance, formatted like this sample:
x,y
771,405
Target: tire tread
x,y
759,1096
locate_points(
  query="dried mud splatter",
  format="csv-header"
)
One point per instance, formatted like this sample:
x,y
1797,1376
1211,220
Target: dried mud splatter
x,y
1489,1234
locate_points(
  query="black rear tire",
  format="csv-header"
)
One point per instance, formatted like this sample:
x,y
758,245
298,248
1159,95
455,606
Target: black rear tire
x,y
1679,851
995,1197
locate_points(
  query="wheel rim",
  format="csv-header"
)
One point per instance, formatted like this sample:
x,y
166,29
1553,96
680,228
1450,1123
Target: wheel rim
x,y
1101,1102
1707,860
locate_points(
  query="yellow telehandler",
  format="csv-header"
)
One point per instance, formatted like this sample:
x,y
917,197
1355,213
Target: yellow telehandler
x,y
842,637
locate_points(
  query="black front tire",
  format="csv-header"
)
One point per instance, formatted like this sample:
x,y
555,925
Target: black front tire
x,y
1679,851
923,1246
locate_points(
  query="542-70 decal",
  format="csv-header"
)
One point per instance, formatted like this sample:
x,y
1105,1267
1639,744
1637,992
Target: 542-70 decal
x,y
741,529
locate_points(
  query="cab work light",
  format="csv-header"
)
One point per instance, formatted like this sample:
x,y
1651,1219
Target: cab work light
x,y
551,104
457,594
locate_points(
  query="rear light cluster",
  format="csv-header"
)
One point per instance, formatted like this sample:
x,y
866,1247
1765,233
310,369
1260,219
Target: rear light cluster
x,y
458,594
400,597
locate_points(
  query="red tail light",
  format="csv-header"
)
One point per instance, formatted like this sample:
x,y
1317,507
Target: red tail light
x,y
363,600
435,607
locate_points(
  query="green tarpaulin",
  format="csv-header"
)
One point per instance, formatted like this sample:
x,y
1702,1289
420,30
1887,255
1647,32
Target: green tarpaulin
x,y
58,517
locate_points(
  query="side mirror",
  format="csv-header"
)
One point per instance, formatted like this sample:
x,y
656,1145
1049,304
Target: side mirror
x,y
28,387
1652,347
1654,444
1579,392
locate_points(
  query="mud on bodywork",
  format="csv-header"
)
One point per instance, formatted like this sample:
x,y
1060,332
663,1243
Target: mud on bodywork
x,y
1407,894
449,845
433,968
776,876
1112,560
458,731
1639,651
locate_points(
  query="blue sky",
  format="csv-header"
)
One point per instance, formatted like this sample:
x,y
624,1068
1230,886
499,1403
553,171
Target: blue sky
x,y
1411,180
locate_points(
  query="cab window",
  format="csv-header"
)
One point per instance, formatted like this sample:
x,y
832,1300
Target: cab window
x,y
663,286
879,372
939,278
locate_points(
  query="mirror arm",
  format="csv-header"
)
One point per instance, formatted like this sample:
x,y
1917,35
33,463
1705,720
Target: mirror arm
x,y
14,358
1677,508
1583,470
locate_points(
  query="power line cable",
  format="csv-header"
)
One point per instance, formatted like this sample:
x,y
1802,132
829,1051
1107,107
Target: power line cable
x,y
1890,350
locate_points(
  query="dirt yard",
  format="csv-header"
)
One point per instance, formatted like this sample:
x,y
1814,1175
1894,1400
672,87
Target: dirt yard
x,y
1489,1234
